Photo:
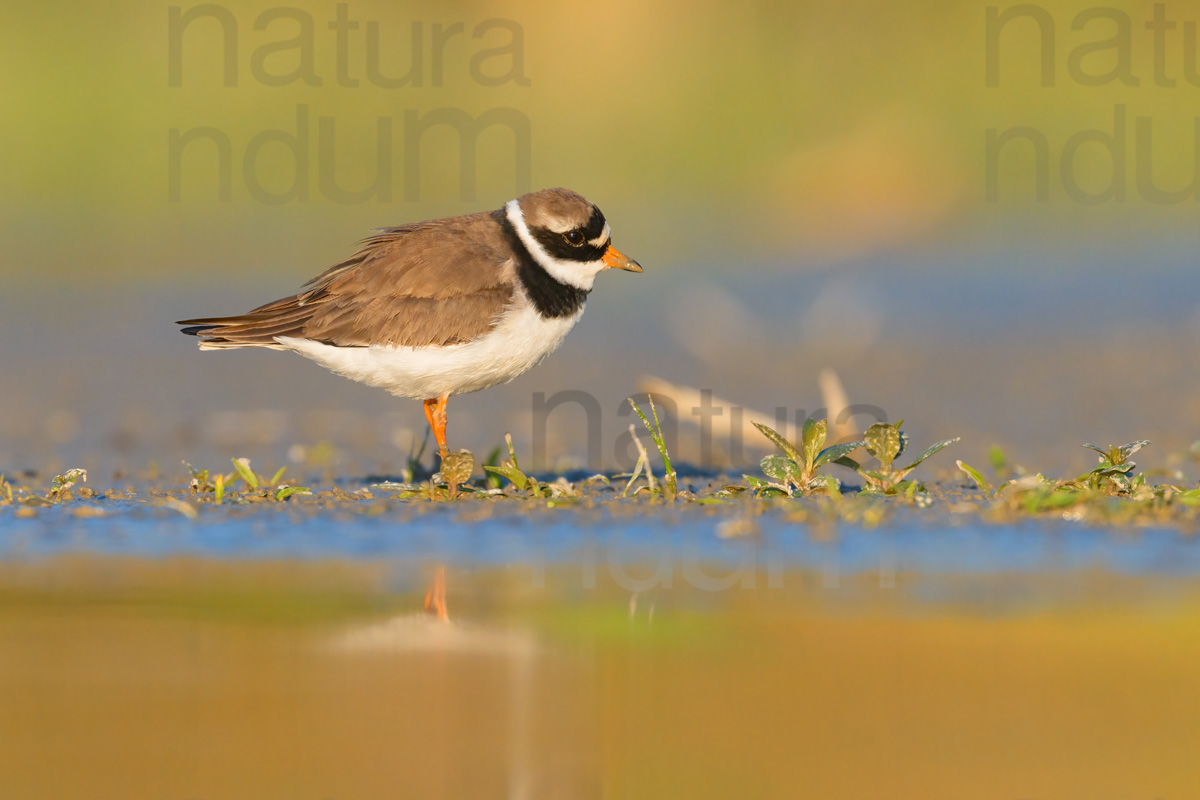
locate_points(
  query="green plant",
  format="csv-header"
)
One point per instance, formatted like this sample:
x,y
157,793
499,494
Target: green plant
x,y
1091,494
642,465
886,442
509,468
63,484
456,469
242,467
1033,494
795,472
1114,474
975,475
200,481
670,481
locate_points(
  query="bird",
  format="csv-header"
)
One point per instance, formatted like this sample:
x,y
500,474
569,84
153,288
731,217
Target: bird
x,y
444,307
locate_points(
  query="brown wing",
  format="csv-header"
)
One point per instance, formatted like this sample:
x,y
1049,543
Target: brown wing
x,y
431,283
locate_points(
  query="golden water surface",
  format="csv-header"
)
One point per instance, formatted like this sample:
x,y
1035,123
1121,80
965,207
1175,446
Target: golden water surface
x,y
189,680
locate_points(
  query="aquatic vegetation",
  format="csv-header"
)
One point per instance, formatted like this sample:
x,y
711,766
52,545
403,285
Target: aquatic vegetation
x,y
456,469
62,485
257,488
1111,491
509,468
1113,475
886,442
241,467
795,472
200,482
670,480
62,490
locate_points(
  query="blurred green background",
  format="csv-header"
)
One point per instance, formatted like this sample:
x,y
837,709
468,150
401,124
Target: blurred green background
x,y
762,132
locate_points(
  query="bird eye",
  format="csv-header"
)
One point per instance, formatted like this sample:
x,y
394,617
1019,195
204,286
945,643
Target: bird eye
x,y
574,238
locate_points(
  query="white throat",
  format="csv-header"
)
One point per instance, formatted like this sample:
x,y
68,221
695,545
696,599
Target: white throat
x,y
580,274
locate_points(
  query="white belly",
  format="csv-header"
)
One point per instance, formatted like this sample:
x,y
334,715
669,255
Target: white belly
x,y
517,344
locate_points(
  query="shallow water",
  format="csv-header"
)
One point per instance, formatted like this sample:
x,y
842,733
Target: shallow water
x,y
625,532
189,678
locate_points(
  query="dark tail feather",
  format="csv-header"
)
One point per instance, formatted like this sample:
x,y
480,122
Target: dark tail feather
x,y
256,329
197,330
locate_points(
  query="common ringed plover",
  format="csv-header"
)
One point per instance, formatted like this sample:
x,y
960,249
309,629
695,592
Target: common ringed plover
x,y
444,307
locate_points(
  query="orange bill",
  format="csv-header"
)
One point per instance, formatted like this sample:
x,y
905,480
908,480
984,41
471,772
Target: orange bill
x,y
615,259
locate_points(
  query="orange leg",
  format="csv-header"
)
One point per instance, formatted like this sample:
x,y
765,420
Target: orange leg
x,y
435,412
435,598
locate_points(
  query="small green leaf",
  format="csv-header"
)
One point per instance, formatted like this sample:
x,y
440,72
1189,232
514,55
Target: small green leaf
x,y
814,434
765,488
939,446
835,453
219,488
873,477
512,454
242,467
846,461
783,444
457,467
826,483
277,476
508,470
974,475
780,469
1129,449
1107,470
882,440
284,492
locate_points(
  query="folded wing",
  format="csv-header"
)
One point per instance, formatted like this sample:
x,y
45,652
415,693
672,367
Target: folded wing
x,y
437,283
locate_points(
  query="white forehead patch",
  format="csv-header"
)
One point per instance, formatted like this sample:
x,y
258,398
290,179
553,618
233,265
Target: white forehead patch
x,y
558,226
